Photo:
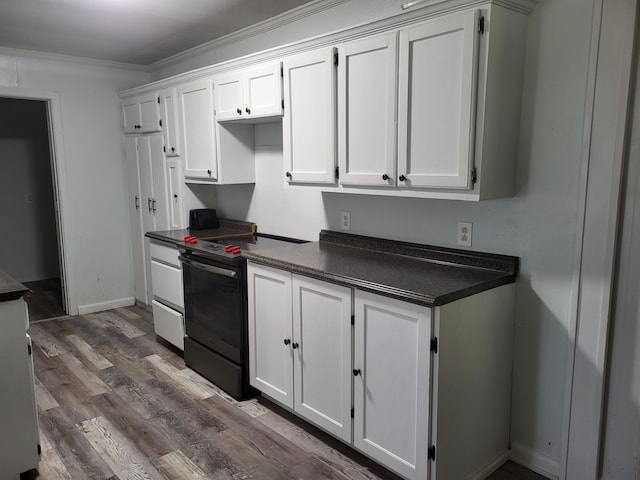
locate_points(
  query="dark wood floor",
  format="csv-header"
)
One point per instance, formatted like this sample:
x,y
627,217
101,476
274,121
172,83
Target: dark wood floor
x,y
45,301
114,403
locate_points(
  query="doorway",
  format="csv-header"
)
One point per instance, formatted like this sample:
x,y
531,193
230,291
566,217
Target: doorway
x,y
30,247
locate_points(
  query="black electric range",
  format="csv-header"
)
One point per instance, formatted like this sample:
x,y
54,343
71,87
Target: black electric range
x,y
215,309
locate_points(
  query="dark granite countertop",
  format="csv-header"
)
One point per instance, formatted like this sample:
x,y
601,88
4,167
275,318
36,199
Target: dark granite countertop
x,y
10,289
419,274
227,229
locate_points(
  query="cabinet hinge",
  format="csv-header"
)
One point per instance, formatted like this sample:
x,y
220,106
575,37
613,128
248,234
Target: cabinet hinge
x,y
29,349
158,100
432,453
481,25
352,412
474,175
353,319
335,58
337,172
434,344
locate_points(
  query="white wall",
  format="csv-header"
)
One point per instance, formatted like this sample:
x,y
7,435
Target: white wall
x,y
92,161
538,224
29,245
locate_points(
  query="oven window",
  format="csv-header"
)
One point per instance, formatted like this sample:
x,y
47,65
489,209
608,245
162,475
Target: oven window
x,y
214,310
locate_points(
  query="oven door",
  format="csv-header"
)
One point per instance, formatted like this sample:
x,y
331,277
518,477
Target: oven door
x,y
214,306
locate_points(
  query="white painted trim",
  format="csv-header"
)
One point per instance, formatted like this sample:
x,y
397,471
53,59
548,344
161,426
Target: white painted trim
x,y
102,306
492,466
605,131
536,461
60,190
56,57
329,39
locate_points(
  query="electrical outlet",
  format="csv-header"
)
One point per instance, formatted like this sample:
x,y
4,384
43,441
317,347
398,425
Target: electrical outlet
x,y
465,231
29,198
345,220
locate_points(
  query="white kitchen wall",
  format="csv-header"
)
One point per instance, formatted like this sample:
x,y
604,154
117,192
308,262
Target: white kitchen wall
x,y
93,163
538,224
29,245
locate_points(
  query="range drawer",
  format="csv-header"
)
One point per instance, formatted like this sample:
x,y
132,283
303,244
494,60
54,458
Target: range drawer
x,y
168,324
166,282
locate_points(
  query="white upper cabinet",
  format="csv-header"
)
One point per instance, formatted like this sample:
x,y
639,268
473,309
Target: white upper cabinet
x,y
367,111
249,94
436,105
141,114
195,111
169,121
309,122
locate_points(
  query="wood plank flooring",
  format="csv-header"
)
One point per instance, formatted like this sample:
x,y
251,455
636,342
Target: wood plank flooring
x,y
45,300
116,403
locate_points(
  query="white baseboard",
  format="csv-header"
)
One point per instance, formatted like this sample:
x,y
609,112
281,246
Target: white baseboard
x,y
492,467
536,461
100,307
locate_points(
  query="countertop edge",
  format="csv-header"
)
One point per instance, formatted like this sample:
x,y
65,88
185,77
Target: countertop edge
x,y
385,290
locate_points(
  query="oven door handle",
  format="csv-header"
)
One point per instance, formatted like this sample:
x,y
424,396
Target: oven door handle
x,y
208,268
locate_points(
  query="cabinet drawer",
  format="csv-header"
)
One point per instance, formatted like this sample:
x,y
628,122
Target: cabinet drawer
x,y
168,324
166,282
165,253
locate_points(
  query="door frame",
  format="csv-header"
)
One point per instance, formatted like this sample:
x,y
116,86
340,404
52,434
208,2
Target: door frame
x,y
611,58
60,188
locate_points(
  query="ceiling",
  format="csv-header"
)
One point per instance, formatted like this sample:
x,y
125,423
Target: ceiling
x,y
130,31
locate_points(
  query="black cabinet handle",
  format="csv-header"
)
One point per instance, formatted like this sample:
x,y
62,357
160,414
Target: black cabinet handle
x,y
209,172
287,341
294,345
239,111
289,176
248,110
153,205
149,204
385,176
402,178
356,372
175,195
173,149
137,202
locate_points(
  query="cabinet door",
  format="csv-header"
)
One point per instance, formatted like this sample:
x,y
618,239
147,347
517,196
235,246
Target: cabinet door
x,y
322,359
309,122
174,187
263,91
436,113
392,365
131,115
270,332
136,206
195,107
367,111
170,124
229,96
149,113
160,203
145,167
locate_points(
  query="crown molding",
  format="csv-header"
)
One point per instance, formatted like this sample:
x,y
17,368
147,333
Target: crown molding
x,y
273,23
14,52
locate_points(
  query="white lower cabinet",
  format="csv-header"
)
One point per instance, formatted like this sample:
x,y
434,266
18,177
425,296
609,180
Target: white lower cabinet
x,y
392,365
300,345
168,294
424,391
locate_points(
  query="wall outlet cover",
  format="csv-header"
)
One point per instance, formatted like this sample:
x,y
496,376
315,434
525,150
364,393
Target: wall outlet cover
x,y
345,220
465,231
